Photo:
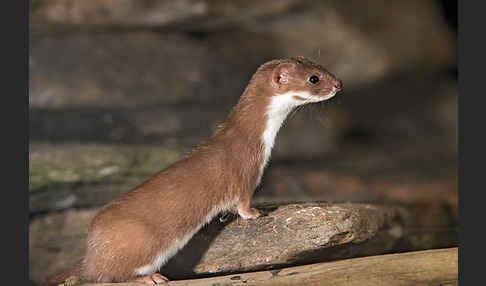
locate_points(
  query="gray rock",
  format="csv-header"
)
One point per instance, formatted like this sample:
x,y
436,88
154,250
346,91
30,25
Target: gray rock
x,y
118,67
173,86
288,234
89,175
150,13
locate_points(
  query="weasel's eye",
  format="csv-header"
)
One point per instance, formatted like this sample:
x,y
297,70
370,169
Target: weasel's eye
x,y
314,79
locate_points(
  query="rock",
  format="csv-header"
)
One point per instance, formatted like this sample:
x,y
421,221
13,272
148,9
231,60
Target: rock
x,y
288,234
173,86
430,191
89,175
90,163
117,70
311,132
388,112
132,101
359,47
149,13
56,241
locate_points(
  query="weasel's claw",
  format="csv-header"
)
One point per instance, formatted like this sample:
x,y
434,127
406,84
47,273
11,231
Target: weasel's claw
x,y
152,279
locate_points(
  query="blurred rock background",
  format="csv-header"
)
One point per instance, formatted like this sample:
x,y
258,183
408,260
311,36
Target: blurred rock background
x,y
120,89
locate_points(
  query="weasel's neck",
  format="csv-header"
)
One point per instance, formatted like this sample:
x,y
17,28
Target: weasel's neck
x,y
255,122
277,111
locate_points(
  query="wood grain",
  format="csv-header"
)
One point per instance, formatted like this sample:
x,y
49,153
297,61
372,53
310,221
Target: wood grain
x,y
428,267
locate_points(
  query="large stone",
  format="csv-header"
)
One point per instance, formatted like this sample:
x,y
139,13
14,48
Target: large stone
x,y
149,13
130,70
111,95
90,175
172,87
432,201
109,87
76,176
113,65
286,235
376,34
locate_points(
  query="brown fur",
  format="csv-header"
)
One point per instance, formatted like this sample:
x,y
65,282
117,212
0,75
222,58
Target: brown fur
x,y
59,277
133,229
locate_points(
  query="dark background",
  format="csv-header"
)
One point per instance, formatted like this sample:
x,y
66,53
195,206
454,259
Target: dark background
x,y
120,89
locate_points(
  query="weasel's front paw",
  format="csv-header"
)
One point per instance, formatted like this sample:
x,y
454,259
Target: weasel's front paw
x,y
250,213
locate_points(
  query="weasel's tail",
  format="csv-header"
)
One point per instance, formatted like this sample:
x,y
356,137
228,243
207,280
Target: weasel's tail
x,y
60,277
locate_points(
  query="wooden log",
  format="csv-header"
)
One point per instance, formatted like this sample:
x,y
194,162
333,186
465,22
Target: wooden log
x,y
428,267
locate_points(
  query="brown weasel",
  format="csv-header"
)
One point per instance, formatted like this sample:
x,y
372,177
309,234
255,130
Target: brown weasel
x,y
134,235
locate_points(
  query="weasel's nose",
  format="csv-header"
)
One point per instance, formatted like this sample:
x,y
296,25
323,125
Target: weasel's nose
x,y
338,85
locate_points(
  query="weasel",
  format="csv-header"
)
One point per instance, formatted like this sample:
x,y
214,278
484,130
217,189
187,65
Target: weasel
x,y
135,234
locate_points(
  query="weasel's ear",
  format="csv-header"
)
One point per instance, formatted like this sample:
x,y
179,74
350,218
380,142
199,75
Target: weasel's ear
x,y
281,74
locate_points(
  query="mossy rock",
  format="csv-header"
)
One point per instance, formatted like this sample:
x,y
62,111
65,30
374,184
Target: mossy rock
x,y
90,173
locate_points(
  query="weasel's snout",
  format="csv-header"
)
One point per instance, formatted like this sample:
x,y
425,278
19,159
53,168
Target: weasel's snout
x,y
338,85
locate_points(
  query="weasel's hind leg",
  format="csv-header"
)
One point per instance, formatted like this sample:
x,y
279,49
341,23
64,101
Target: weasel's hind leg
x,y
152,279
116,250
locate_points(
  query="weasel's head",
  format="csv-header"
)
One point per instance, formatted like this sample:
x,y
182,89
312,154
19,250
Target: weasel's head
x,y
299,81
